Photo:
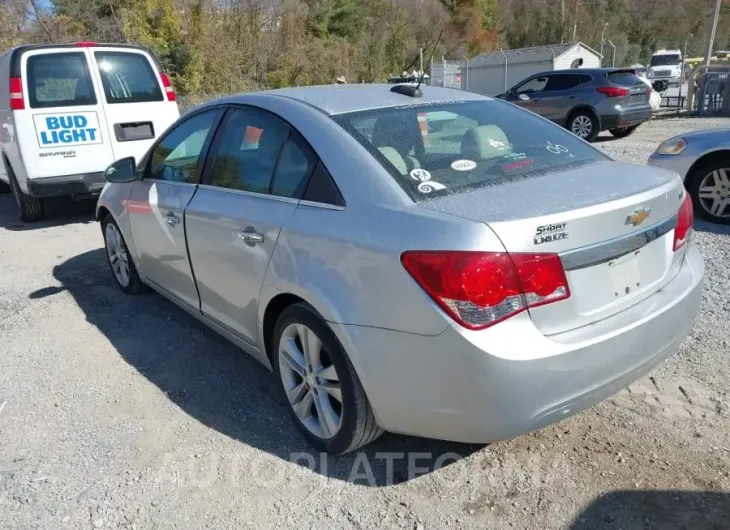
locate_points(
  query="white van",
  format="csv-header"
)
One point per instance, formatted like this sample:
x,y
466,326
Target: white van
x,y
68,111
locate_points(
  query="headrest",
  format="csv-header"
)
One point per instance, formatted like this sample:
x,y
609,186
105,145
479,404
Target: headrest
x,y
484,143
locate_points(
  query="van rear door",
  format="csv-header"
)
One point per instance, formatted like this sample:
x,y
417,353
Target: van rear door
x,y
139,102
60,127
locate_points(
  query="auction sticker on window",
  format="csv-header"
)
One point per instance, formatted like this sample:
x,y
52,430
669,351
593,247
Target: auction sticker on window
x,y
420,174
463,165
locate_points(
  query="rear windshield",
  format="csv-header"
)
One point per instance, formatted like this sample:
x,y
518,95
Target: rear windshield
x,y
661,60
436,150
59,80
624,78
127,78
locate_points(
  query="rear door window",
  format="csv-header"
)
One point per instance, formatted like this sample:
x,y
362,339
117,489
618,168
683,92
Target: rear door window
x,y
128,77
476,144
566,81
59,80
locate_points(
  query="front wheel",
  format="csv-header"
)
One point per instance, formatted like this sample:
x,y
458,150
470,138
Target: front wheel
x,y
584,125
709,187
323,393
623,132
120,262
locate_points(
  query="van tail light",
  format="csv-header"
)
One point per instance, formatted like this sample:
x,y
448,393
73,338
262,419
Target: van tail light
x,y
685,220
613,91
479,289
86,44
168,87
16,94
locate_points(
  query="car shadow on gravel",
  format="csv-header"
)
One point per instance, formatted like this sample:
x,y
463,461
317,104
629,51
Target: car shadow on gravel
x,y
656,510
57,211
222,387
713,228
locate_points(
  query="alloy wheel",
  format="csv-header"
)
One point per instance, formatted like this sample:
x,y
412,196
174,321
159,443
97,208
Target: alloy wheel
x,y
117,252
310,380
714,193
582,126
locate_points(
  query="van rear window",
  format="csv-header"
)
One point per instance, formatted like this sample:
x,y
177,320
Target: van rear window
x,y
127,78
59,80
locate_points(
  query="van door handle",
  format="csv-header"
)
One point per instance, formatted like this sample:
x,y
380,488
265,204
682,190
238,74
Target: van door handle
x,y
250,237
172,219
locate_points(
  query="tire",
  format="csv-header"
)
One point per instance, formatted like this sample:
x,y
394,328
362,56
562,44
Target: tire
x,y
117,255
303,389
714,178
623,132
4,188
584,120
30,209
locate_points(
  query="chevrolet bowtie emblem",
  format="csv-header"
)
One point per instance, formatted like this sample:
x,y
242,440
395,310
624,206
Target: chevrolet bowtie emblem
x,y
638,216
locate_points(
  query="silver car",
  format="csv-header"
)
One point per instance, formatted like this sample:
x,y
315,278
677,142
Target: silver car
x,y
702,159
429,262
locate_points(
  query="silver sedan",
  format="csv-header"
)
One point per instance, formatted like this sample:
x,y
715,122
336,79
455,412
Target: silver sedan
x,y
702,159
429,262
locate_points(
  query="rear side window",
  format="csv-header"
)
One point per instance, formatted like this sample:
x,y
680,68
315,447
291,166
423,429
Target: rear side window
x,y
59,80
128,78
566,81
472,144
624,78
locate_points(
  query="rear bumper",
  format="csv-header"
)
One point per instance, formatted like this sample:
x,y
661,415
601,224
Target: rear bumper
x,y
626,118
88,184
510,379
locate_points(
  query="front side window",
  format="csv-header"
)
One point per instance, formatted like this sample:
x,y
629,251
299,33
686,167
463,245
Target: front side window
x,y
533,85
177,156
249,147
59,80
473,144
127,77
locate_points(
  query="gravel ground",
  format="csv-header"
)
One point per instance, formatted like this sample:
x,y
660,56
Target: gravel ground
x,y
123,412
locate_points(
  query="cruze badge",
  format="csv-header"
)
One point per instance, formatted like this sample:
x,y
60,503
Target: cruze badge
x,y
638,216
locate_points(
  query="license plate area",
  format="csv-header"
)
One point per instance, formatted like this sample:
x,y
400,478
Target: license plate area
x,y
625,275
130,132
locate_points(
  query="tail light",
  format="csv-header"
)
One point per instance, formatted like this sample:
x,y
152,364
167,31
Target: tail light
x,y
16,94
86,44
613,91
479,289
168,87
685,220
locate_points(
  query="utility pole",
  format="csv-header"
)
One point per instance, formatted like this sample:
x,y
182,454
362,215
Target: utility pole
x,y
681,75
613,62
713,29
603,33
421,70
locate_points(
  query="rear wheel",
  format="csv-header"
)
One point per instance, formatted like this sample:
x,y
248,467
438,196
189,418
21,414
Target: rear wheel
x,y
584,125
623,132
30,209
709,187
322,391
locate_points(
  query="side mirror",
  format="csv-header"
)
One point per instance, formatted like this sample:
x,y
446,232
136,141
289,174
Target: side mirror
x,y
124,170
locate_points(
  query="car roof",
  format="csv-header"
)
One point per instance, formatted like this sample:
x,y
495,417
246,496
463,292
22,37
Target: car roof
x,y
339,99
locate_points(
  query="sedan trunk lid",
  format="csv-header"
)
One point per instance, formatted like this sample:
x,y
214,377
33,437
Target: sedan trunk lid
x,y
611,224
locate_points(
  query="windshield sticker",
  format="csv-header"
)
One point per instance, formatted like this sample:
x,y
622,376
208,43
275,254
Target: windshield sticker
x,y
517,164
463,165
420,174
550,233
432,185
499,146
515,156
556,149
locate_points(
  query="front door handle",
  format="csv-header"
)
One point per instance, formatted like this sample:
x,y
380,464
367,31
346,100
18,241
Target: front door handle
x,y
250,237
172,219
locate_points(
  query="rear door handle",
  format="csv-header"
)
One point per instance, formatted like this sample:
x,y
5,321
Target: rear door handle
x,y
250,237
172,219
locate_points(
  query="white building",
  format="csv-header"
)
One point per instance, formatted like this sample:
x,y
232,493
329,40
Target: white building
x,y
493,73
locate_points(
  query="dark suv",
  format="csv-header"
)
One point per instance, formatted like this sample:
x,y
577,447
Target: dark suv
x,y
586,101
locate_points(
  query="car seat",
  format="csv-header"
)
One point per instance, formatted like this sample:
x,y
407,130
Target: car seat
x,y
396,138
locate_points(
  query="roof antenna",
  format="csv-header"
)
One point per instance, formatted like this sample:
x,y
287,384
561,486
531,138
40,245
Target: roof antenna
x,y
415,91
